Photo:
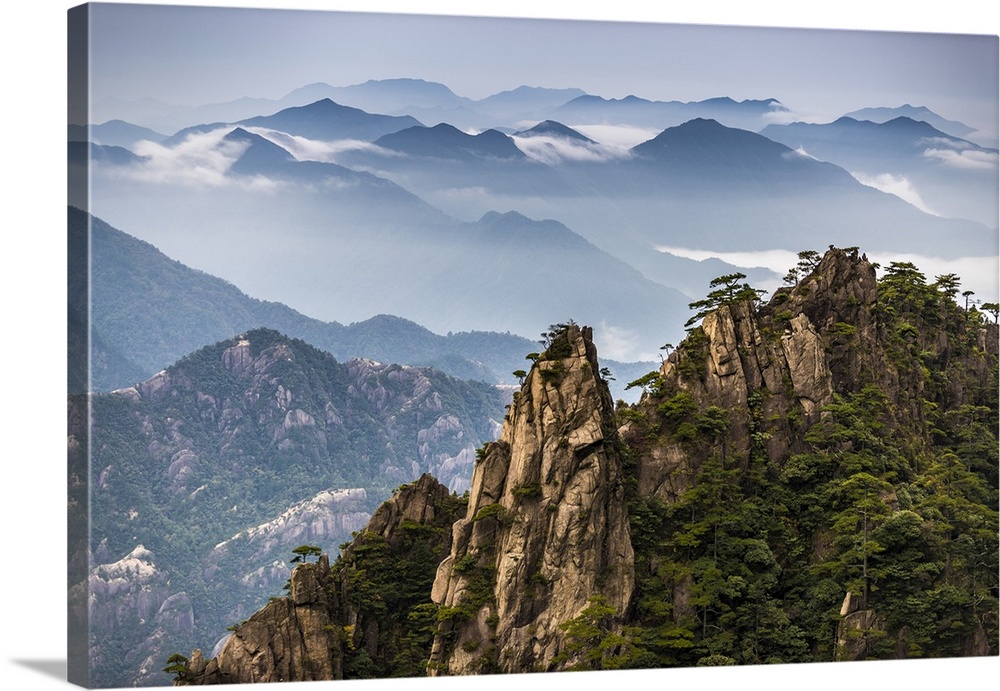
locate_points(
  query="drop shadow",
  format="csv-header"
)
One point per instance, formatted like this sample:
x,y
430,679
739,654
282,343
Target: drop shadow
x,y
50,668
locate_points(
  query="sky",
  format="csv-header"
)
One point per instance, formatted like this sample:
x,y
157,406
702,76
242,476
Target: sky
x,y
32,47
196,55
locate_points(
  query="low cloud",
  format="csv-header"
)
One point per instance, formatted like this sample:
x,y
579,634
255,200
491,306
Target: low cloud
x,y
555,150
304,149
780,117
799,153
979,274
965,159
619,343
897,185
201,160
622,136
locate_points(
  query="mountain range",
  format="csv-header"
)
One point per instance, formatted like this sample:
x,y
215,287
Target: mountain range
x,y
416,202
136,331
953,177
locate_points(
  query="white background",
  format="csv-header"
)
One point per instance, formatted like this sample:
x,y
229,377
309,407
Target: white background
x,y
32,339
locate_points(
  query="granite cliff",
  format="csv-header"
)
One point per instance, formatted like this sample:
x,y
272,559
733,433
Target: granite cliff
x,y
547,525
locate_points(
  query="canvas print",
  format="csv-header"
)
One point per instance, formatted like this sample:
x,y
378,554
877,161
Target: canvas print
x,y
408,346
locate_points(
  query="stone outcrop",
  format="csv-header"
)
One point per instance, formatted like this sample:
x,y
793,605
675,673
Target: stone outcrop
x,y
760,386
546,527
779,365
290,639
770,365
312,633
248,448
858,629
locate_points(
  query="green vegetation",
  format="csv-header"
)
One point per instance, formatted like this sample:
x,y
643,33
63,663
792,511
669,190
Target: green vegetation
x,y
774,507
387,583
211,455
527,491
725,290
177,665
303,552
495,511
595,641
808,261
891,494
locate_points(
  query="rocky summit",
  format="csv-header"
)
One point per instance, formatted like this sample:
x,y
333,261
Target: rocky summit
x,y
547,527
812,478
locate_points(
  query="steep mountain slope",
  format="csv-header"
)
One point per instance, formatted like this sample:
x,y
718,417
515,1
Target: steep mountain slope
x,y
149,310
804,480
702,150
331,264
951,176
703,186
840,438
218,466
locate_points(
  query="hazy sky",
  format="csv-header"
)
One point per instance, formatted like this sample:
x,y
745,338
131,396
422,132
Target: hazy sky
x,y
197,55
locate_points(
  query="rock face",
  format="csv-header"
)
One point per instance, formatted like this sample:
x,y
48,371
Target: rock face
x,y
291,639
327,621
784,362
727,363
546,528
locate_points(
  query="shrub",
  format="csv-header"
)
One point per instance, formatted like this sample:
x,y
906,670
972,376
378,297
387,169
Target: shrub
x,y
528,491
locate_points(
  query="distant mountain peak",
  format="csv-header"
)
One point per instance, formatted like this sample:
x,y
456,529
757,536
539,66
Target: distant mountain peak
x,y
448,142
257,143
884,114
554,128
492,217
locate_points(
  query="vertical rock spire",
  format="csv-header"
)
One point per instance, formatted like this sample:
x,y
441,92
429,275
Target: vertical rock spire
x,y
547,526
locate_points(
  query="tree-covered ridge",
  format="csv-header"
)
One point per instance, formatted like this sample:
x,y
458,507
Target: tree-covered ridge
x,y
778,506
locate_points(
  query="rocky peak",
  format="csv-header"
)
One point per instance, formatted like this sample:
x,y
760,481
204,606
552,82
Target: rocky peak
x,y
781,363
546,527
334,614
839,299
291,639
418,502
